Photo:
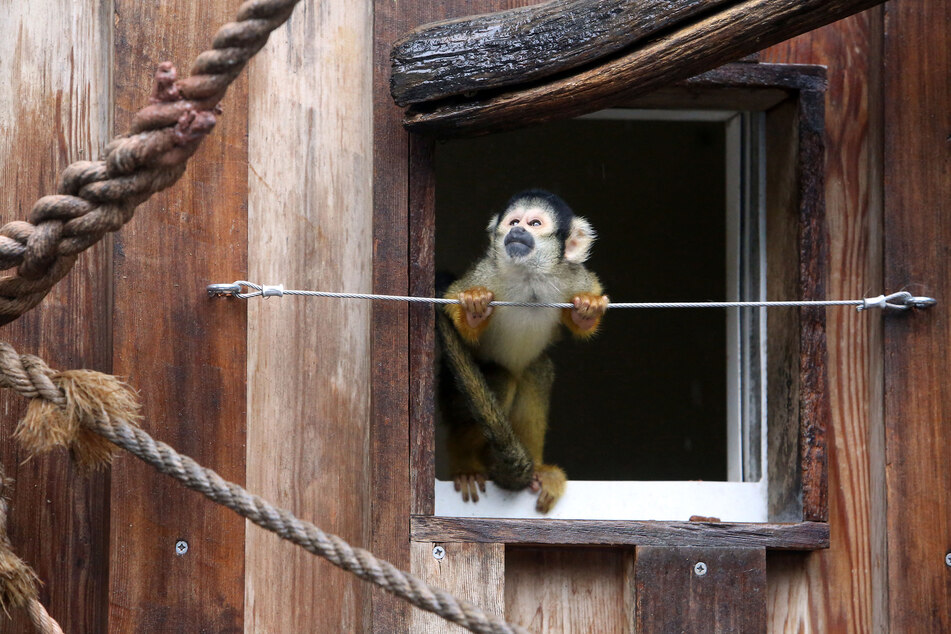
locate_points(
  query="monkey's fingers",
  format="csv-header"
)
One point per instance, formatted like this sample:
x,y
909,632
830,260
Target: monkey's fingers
x,y
480,478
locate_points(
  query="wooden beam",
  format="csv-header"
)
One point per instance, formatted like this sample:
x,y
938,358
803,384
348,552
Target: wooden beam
x,y
309,208
799,536
182,350
917,86
521,45
56,109
679,53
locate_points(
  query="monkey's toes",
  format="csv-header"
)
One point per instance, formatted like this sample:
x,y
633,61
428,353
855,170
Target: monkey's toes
x,y
469,484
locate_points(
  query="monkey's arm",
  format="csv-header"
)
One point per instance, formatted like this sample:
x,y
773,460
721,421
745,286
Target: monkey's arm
x,y
471,317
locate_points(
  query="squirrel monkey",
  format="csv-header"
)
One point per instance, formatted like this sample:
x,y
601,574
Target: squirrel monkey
x,y
497,407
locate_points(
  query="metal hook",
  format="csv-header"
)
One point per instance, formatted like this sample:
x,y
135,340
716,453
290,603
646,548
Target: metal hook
x,y
223,290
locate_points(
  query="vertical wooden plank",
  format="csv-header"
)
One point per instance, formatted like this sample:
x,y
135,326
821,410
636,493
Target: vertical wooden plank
x,y
310,130
570,589
728,594
422,210
183,351
834,590
917,88
56,108
389,325
472,572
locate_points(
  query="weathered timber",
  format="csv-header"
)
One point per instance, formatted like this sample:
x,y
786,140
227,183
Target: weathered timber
x,y
56,109
676,54
524,44
185,352
917,232
570,589
814,405
796,536
700,590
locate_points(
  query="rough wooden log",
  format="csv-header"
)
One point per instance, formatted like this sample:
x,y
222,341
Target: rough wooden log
x,y
691,48
453,57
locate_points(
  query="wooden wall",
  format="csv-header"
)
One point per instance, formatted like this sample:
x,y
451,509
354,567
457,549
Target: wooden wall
x,y
287,190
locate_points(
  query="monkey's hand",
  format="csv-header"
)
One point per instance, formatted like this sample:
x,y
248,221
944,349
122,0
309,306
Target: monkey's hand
x,y
549,481
471,315
586,314
470,484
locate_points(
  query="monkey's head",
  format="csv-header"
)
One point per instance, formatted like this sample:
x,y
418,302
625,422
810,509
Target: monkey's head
x,y
538,229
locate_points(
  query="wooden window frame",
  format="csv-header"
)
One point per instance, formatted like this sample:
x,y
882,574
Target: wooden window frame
x,y
799,410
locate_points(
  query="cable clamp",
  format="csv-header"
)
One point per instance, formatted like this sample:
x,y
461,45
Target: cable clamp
x,y
902,300
272,291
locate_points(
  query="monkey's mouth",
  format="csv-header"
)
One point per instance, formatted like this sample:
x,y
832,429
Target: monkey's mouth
x,y
518,245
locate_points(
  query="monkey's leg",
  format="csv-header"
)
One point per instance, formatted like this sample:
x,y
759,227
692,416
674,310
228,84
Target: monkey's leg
x,y
466,447
529,416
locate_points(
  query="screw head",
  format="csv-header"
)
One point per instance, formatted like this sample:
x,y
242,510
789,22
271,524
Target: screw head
x,y
947,560
439,552
181,547
700,569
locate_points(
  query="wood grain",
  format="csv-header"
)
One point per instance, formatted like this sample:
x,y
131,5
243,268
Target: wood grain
x,y
917,85
472,572
682,53
833,590
800,536
309,219
56,108
570,589
671,597
524,44
183,351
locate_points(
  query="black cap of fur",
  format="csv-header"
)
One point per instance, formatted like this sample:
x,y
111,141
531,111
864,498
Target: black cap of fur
x,y
561,211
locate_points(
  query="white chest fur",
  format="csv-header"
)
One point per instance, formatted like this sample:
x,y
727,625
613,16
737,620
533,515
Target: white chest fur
x,y
516,336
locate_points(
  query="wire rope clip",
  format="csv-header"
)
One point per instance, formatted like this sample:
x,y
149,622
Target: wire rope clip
x,y
902,300
272,291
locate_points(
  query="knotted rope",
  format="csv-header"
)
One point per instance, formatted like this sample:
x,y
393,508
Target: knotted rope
x,y
79,408
96,197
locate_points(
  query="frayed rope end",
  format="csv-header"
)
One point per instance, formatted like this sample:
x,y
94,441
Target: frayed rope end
x,y
91,397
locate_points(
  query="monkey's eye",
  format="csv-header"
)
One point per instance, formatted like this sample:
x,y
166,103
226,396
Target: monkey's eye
x,y
535,223
513,222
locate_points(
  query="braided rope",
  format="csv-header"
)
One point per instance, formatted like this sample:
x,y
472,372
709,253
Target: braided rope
x,y
31,377
97,197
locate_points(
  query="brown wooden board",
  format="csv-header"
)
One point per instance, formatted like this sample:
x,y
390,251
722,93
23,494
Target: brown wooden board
x,y
800,536
471,572
57,109
570,589
726,594
183,351
422,326
840,589
309,217
917,88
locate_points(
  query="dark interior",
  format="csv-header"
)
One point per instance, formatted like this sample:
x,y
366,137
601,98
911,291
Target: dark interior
x,y
646,399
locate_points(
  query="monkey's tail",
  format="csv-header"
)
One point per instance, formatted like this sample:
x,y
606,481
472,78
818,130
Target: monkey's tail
x,y
510,466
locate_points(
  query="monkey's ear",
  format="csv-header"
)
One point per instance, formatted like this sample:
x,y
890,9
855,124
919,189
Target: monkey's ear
x,y
493,223
580,238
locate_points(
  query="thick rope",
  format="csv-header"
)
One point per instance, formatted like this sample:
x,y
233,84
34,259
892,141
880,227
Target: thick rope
x,y
97,197
90,396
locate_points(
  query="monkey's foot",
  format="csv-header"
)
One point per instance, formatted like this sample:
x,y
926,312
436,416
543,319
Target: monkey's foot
x,y
470,484
549,482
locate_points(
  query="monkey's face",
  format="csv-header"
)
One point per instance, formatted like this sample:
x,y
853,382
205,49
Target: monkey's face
x,y
526,233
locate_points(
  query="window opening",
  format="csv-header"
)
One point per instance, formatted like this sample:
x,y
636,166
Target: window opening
x,y
662,404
